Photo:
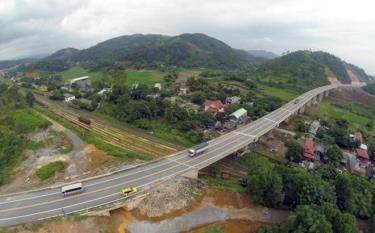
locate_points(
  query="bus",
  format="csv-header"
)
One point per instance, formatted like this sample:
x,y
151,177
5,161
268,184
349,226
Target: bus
x,y
198,149
71,189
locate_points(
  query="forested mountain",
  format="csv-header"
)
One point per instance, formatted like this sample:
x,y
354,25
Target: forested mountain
x,y
306,69
263,54
6,64
186,50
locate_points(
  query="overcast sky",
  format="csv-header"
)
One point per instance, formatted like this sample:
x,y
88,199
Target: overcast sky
x,y
345,28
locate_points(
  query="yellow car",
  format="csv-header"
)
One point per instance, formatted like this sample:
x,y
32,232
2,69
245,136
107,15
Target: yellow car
x,y
127,191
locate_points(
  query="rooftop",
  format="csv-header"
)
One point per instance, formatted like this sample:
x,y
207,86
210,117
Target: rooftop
x,y
309,148
362,153
239,113
79,79
213,106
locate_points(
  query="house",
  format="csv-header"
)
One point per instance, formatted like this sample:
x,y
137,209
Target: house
x,y
309,149
183,90
213,106
190,107
104,90
134,86
81,82
314,127
239,116
363,146
233,99
157,86
358,137
362,157
68,97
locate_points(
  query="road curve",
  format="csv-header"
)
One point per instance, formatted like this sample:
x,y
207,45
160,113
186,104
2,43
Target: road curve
x,y
41,204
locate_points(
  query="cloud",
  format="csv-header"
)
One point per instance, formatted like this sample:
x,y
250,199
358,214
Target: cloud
x,y
341,27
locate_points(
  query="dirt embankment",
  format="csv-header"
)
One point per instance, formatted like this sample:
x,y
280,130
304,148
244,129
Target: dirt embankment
x,y
354,94
170,199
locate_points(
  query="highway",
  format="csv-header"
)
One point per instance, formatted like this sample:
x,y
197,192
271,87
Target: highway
x,y
41,204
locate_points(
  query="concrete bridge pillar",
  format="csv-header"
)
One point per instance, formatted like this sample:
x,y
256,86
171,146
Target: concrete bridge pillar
x,y
326,93
308,104
320,97
193,173
314,100
301,110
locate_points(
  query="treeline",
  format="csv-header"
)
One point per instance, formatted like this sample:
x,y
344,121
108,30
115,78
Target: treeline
x,y
370,88
324,200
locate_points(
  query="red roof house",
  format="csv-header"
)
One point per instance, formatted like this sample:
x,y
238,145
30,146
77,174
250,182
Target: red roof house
x,y
309,148
213,106
362,157
358,136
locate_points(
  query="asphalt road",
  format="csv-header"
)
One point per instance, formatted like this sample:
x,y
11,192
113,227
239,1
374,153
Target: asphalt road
x,y
31,206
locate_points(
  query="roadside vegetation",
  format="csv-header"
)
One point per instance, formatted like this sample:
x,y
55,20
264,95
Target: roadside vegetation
x,y
49,170
370,88
16,121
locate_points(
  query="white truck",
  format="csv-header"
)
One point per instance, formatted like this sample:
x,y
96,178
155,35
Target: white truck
x,y
198,149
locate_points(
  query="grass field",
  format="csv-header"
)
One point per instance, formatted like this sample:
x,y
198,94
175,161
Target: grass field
x,y
26,121
278,92
221,184
93,139
73,72
146,77
326,109
50,169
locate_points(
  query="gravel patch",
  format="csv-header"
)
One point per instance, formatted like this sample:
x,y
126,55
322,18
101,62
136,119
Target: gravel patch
x,y
172,195
182,223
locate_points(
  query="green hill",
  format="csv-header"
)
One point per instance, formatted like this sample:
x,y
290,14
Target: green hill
x,y
303,70
153,51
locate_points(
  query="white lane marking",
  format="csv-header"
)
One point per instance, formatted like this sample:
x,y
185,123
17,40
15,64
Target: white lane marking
x,y
308,95
184,164
126,175
96,199
286,109
162,178
244,134
271,120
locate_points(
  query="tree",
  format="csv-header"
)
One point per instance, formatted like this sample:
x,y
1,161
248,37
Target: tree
x,y
344,192
266,187
303,188
295,151
301,126
371,150
306,219
341,222
30,99
334,154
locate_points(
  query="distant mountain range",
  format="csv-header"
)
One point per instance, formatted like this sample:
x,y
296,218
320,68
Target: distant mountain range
x,y
150,51
6,64
199,50
263,54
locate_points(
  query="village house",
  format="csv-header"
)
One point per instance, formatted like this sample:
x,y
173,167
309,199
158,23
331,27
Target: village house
x,y
69,97
314,127
213,106
236,118
104,91
358,137
81,82
157,86
233,99
309,149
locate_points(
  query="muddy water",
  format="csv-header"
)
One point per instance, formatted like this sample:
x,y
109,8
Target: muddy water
x,y
233,211
181,223
231,226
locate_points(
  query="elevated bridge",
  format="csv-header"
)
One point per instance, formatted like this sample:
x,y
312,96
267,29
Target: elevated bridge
x,y
46,203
